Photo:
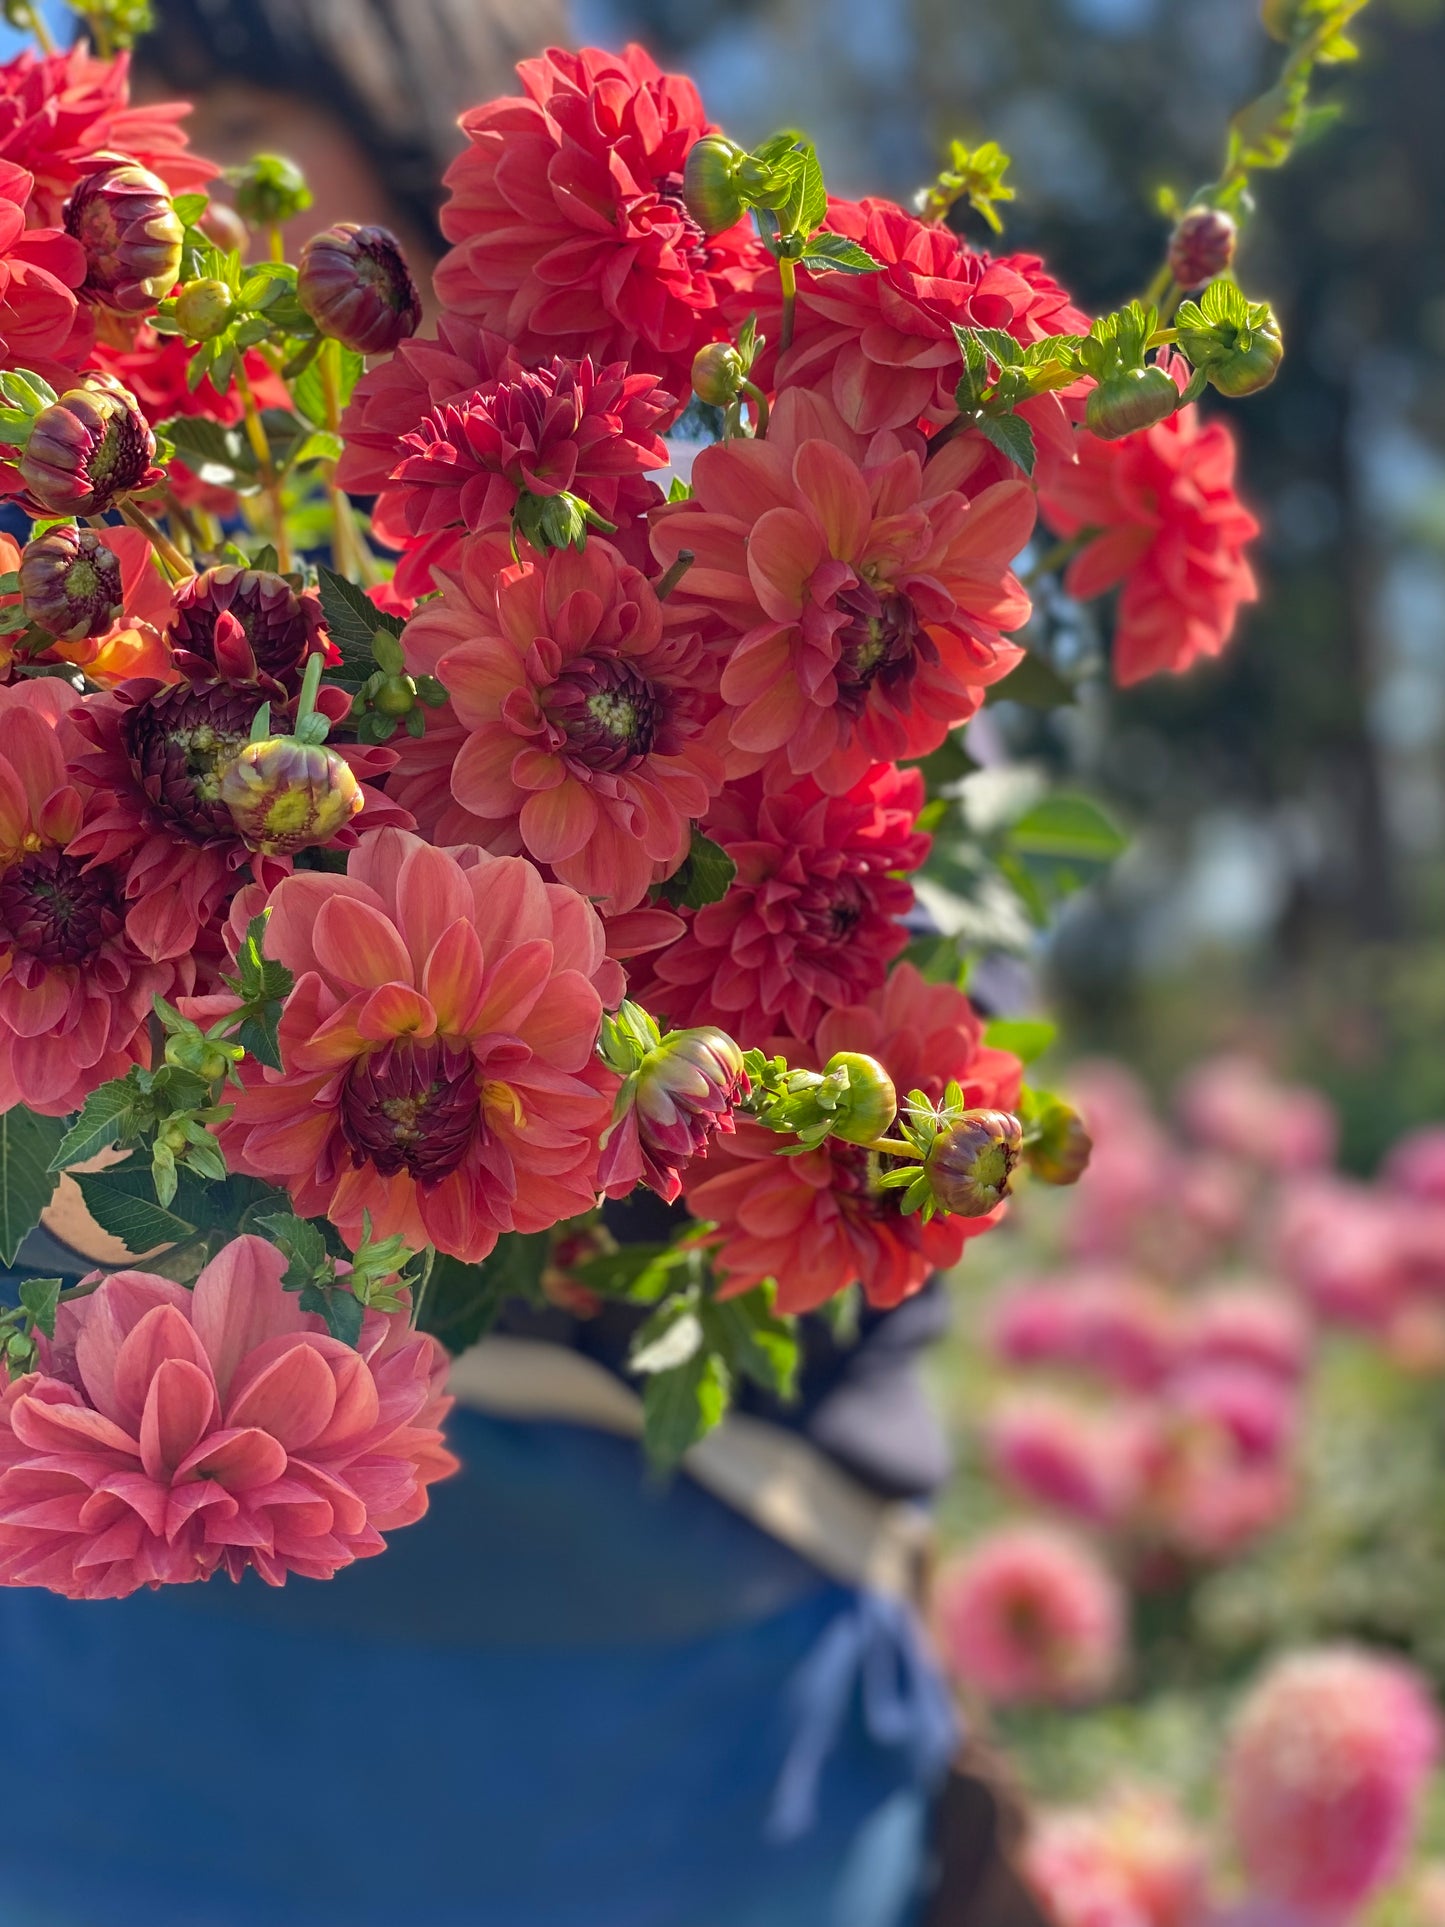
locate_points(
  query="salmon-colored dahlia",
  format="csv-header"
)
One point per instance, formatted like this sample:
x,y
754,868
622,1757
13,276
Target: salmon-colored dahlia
x,y
818,1223
812,918
882,346
586,724
1164,525
571,235
174,1434
437,1048
857,596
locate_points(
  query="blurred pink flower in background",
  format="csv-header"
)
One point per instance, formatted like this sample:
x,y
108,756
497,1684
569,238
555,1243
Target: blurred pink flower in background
x,y
1030,1613
1058,1452
1326,1767
1243,1323
1136,1862
1109,1322
1233,1104
1416,1165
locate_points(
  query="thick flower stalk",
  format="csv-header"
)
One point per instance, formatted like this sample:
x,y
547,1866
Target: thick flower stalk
x,y
678,1092
175,1434
857,600
438,1048
588,741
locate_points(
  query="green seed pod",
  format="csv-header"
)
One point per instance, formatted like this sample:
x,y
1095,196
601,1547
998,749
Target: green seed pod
x,y
717,373
203,309
871,1103
1131,399
709,184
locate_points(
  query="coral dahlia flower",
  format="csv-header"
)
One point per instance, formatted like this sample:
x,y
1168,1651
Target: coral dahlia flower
x,y
177,1433
565,427
585,722
1030,1613
860,598
75,993
818,1223
1133,1863
569,228
813,917
1164,522
882,347
437,1048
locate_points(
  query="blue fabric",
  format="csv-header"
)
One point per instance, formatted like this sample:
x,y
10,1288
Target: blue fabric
x,y
568,1698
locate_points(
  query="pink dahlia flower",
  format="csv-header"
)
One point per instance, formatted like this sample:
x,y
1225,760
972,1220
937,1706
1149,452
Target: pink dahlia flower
x,y
1163,520
566,427
1258,1412
818,1223
437,1048
571,235
1416,1165
1245,1324
1326,1769
882,346
1134,1862
1030,1614
75,992
1056,1451
395,396
586,723
1234,1105
175,1434
1339,1242
814,914
858,597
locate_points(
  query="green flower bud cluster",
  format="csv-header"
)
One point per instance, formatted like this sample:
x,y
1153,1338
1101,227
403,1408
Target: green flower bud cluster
x,y
1233,342
1129,394
851,1098
390,698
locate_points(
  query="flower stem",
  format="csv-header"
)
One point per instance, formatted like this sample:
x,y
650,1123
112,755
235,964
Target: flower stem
x,y
1053,559
760,409
344,545
1159,286
261,449
787,274
175,564
36,20
275,243
894,1147
669,580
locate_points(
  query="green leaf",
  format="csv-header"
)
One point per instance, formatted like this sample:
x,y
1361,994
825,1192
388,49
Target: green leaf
x,y
122,1202
108,1115
1012,436
814,209
668,1339
680,1406
341,1309
319,446
40,1297
352,619
1068,826
303,1245
215,454
309,393
754,1341
837,252
706,872
27,1145
1026,1037
190,207
1034,682
462,1301
640,1272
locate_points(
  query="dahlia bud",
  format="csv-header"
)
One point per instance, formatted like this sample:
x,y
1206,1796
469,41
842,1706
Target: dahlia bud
x,y
269,190
122,217
204,309
1131,399
1059,1152
970,1164
70,583
868,1103
246,626
224,228
88,449
285,795
355,285
709,183
1236,342
717,374
1201,246
677,1093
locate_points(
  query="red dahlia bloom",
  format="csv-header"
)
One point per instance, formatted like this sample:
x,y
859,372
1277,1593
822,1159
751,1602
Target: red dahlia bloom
x,y
438,1048
812,917
392,398
567,215
41,268
75,994
58,111
1164,521
565,427
586,724
881,346
857,594
818,1222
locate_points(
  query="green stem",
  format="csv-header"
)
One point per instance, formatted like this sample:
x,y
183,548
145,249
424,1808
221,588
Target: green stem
x,y
760,409
1159,286
787,274
176,565
261,449
344,555
46,39
1053,559
894,1147
275,243
669,580
310,683
418,1297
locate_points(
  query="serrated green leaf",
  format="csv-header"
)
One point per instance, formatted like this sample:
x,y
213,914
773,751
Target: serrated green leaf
x,y
1012,436
215,454
679,1407
27,1145
838,252
319,446
706,872
1068,826
40,1297
352,619
190,207
754,1341
105,1117
309,392
1026,1037
814,208
122,1202
302,1243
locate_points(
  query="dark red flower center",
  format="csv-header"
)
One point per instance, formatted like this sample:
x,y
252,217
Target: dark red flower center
x,y
830,915
691,242
56,910
882,642
180,742
411,1106
609,714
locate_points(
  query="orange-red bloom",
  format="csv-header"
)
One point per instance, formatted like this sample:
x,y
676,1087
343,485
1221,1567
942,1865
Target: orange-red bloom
x,y
437,1048
585,722
1163,521
571,235
818,1223
858,595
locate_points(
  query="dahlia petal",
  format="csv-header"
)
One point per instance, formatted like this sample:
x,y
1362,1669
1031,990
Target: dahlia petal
x,y
178,1409
512,990
292,1396
556,824
454,979
163,1333
784,549
238,1459
238,1301
396,1010
837,490
358,946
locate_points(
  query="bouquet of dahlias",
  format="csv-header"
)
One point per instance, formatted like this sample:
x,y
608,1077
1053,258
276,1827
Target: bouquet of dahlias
x,y
417,826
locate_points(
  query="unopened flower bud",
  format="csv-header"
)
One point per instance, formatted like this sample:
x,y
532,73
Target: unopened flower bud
x,y
1060,1153
224,228
681,1095
204,309
869,1104
355,285
709,183
70,583
269,190
717,374
1129,400
1235,341
396,696
123,219
1201,246
88,449
970,1164
285,795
